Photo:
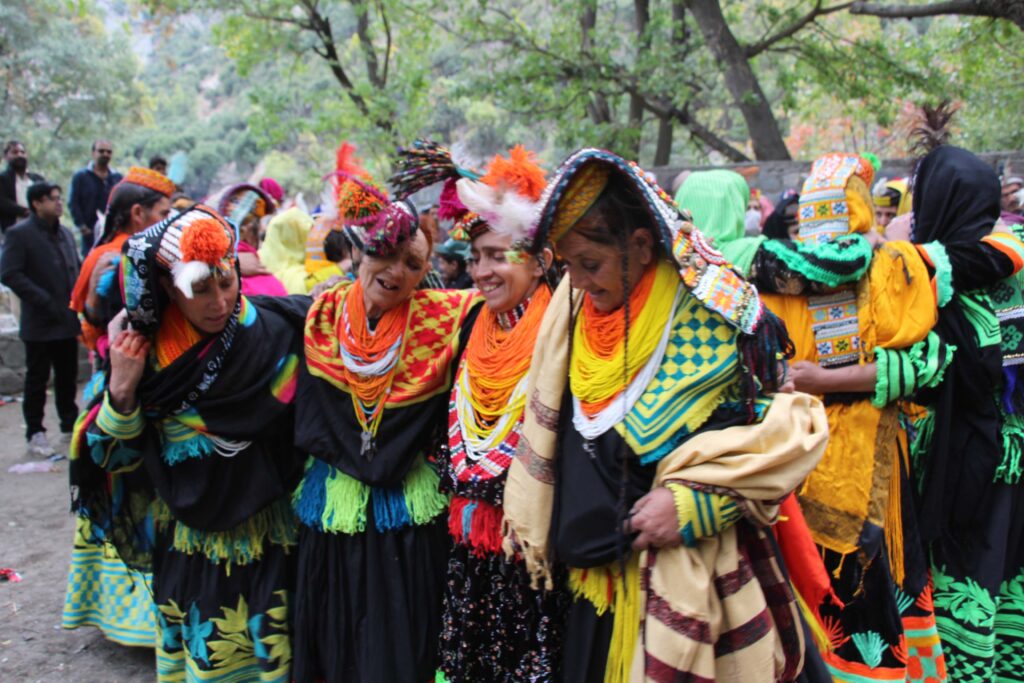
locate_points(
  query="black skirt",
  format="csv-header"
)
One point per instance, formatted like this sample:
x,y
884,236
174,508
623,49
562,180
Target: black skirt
x,y
368,605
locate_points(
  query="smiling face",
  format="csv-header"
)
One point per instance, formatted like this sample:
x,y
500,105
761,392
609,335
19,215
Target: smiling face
x,y
212,303
503,283
389,280
597,268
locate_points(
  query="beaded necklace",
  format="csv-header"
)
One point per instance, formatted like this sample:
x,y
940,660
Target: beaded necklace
x,y
487,402
369,359
598,354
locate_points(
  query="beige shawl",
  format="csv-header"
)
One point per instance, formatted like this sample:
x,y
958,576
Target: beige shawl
x,y
712,611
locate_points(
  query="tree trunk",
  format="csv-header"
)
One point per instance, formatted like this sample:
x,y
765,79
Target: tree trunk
x,y
663,152
741,80
598,108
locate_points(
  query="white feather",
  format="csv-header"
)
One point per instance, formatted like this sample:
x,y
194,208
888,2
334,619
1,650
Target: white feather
x,y
187,273
506,212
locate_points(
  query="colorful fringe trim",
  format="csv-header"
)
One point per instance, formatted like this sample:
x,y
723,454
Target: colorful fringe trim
x,y
331,501
477,524
606,589
241,545
1010,469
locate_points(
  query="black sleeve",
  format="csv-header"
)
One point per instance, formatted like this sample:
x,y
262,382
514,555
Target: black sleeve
x,y
977,265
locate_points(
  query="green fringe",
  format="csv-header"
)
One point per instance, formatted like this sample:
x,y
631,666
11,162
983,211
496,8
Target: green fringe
x,y
853,251
1010,469
345,499
345,504
943,272
422,497
244,544
922,442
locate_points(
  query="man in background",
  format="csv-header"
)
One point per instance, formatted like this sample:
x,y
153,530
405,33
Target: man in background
x,y
40,264
158,164
90,189
14,182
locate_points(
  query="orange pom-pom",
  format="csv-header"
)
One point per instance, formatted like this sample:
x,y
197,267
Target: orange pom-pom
x,y
519,172
206,241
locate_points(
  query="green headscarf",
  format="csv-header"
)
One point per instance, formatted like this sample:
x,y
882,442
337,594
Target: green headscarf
x,y
717,200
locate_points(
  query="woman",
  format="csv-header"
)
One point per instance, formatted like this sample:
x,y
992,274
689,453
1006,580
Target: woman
x,y
645,406
853,500
101,591
245,207
206,508
283,252
373,535
968,446
140,200
496,628
782,223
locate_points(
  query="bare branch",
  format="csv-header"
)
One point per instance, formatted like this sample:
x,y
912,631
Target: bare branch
x,y
817,11
976,8
387,35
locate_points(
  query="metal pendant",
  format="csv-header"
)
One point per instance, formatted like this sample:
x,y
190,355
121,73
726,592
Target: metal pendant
x,y
589,448
368,448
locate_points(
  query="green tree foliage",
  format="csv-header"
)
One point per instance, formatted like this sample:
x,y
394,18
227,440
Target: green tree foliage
x,y
65,81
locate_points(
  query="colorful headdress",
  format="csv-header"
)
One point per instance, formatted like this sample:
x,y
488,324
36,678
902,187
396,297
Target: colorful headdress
x,y
361,202
189,247
892,194
507,196
835,199
427,163
579,182
147,177
237,202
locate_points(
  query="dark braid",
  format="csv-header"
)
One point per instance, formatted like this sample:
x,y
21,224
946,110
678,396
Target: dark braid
x,y
623,513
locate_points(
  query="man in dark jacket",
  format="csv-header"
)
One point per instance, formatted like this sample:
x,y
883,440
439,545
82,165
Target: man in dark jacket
x,y
90,189
40,264
14,182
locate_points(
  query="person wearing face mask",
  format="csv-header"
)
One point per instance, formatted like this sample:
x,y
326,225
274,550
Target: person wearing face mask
x,y
197,417
373,538
101,591
14,182
495,626
653,449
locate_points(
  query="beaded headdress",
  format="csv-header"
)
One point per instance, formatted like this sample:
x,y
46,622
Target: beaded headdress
x,y
147,177
384,223
703,269
236,202
189,247
835,199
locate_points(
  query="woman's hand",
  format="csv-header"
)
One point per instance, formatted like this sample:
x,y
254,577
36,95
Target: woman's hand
x,y
329,283
654,516
128,351
250,265
808,377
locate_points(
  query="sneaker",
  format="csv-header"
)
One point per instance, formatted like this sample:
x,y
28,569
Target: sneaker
x,y
40,446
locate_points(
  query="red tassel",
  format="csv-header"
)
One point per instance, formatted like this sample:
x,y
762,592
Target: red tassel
x,y
485,532
455,518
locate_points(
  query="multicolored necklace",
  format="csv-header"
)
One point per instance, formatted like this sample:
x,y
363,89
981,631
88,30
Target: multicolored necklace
x,y
596,376
486,407
370,359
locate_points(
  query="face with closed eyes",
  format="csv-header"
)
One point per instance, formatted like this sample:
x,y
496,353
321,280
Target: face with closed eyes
x,y
390,280
212,303
504,283
597,268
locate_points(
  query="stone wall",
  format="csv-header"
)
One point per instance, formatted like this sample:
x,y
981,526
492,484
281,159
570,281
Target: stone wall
x,y
773,177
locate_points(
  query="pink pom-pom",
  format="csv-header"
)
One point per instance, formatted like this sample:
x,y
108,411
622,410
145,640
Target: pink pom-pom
x,y
450,207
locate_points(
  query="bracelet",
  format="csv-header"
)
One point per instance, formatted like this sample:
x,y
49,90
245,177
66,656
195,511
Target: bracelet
x,y
118,425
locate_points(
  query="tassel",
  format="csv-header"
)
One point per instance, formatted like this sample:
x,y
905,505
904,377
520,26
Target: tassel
x,y
344,503
626,628
423,498
814,625
455,525
196,446
596,586
894,524
309,498
1009,470
389,511
485,530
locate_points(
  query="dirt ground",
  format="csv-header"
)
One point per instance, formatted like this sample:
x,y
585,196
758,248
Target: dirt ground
x,y
36,533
